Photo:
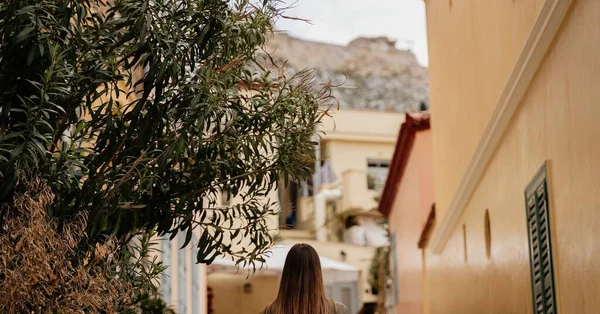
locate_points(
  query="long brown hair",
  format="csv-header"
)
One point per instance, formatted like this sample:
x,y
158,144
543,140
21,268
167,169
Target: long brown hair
x,y
301,289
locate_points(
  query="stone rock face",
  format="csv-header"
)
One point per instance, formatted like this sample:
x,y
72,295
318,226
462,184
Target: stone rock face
x,y
376,75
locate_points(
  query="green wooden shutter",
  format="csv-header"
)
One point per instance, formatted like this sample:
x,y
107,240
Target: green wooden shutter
x,y
540,245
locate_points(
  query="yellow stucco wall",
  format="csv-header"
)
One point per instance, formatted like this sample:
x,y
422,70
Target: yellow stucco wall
x,y
361,124
473,46
557,121
353,155
230,297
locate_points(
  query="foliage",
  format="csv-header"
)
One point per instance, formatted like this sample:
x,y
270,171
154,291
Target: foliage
x,y
42,268
382,254
335,221
138,112
155,305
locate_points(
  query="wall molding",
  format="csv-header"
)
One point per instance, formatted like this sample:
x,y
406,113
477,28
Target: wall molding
x,y
540,38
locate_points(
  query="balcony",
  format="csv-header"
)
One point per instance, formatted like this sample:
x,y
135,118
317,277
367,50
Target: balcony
x,y
356,198
356,193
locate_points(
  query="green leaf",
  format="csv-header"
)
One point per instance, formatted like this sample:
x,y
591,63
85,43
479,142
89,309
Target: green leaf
x,y
23,34
188,237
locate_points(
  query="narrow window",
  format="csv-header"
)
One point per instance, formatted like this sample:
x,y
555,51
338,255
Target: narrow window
x,y
488,234
540,244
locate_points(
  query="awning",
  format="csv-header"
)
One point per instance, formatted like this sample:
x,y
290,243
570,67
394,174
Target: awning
x,y
333,271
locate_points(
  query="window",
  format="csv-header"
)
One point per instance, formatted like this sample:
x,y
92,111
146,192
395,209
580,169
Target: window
x,y
182,276
377,171
540,244
165,286
488,234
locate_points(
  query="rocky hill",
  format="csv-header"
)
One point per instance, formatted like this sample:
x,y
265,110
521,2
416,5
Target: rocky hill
x,y
377,76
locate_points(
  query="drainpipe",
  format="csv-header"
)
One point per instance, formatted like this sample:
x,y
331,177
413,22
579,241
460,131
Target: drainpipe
x,y
321,197
320,204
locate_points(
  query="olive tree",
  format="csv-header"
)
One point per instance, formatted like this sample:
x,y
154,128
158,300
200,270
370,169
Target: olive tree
x,y
138,113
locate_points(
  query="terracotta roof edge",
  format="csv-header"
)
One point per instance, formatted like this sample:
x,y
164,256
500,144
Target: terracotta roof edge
x,y
404,144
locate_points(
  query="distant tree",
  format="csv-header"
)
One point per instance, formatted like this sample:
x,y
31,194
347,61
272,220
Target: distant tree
x,y
137,113
380,269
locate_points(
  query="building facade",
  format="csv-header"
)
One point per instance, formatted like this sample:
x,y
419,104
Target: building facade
x,y
355,149
513,91
406,202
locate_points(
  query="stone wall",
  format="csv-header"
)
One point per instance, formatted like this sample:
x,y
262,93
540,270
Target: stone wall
x,y
376,75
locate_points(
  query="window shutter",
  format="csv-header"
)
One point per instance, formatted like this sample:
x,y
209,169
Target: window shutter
x,y
540,245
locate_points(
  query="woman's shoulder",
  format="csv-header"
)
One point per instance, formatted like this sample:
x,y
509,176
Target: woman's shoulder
x,y
268,309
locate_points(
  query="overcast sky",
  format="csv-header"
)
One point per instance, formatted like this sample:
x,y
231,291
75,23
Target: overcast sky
x,y
340,21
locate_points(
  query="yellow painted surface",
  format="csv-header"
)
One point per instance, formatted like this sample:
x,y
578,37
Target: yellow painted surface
x,y
361,124
557,121
473,46
409,212
356,192
230,296
352,137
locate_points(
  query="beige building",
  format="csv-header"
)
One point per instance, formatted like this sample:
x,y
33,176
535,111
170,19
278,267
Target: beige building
x,y
355,148
514,89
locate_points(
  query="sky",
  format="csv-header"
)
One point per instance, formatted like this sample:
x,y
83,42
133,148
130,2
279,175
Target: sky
x,y
340,21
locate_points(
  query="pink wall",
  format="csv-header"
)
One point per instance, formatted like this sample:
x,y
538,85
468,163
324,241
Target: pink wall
x,y
409,212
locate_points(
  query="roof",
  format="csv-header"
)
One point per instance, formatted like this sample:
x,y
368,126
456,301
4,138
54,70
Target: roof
x,y
404,144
